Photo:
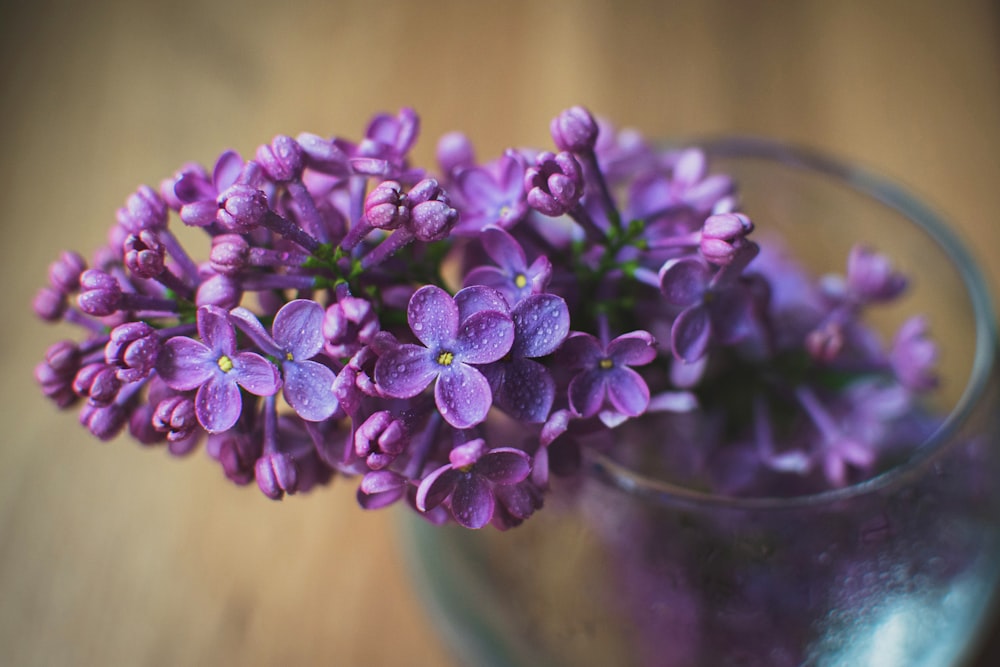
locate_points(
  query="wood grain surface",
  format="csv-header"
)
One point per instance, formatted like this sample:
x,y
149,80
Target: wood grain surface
x,y
111,554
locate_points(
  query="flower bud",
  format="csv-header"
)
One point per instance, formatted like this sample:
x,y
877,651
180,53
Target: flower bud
x,y
175,416
132,350
230,254
554,184
722,234
574,130
282,159
385,206
219,290
98,383
349,324
454,152
64,273
104,422
100,293
276,475
49,304
144,209
144,254
242,208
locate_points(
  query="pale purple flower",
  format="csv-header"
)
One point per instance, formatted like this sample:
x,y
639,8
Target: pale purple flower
x,y
914,354
470,480
491,196
297,337
450,348
512,276
870,276
605,374
216,369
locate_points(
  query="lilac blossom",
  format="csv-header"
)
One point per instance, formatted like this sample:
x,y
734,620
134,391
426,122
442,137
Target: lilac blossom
x,y
451,349
605,373
216,369
331,274
470,480
512,276
297,338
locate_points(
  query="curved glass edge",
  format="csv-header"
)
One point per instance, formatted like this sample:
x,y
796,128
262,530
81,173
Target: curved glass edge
x,y
892,196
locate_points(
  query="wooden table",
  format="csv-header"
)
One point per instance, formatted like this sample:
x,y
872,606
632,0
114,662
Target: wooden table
x,y
115,555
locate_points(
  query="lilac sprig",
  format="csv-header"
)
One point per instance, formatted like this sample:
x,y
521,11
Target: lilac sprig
x,y
454,340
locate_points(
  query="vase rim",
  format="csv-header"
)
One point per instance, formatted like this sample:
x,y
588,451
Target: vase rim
x,y
890,195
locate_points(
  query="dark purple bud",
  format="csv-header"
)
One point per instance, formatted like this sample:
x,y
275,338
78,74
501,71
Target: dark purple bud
x,y
175,416
574,130
276,475
143,254
219,290
97,382
56,373
242,208
385,206
132,350
144,209
64,273
454,152
554,184
100,293
230,254
282,159
49,304
63,357
104,422
721,236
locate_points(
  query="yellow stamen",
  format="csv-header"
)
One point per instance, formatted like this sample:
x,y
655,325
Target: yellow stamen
x,y
445,358
225,363
606,363
289,357
520,280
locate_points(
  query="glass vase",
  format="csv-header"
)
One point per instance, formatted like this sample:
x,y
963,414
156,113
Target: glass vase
x,y
626,566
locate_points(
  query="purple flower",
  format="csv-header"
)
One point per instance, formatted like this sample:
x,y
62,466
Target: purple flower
x,y
605,373
914,355
450,348
711,308
491,196
870,276
522,387
470,481
216,369
511,276
198,195
297,338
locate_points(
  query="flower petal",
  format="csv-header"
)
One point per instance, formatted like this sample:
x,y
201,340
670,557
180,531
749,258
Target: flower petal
x,y
587,391
484,337
527,390
504,248
684,281
218,403
433,316
227,170
255,374
690,334
628,391
405,371
185,363
541,324
463,396
437,486
251,326
475,298
581,350
308,389
632,349
472,502
503,465
216,329
298,328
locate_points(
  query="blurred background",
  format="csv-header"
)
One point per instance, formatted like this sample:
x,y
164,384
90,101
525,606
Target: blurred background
x,y
111,554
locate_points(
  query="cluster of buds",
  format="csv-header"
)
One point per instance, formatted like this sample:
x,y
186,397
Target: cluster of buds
x,y
453,340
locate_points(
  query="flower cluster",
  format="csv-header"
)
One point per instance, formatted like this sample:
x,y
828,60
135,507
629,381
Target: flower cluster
x,y
453,340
